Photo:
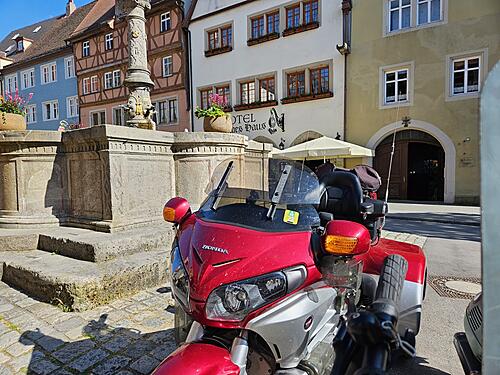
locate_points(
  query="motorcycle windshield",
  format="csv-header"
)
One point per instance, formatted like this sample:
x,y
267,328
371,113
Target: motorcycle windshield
x,y
278,195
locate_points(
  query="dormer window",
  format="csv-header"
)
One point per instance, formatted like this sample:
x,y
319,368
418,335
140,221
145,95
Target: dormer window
x,y
20,45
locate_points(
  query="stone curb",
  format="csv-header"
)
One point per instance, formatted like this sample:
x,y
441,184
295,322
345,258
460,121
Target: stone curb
x,y
433,220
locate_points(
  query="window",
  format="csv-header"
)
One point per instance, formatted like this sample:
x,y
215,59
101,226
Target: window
x,y
97,118
396,86
94,84
293,16
11,84
465,75
168,66
72,106
257,27
213,39
108,44
117,78
172,111
165,22
267,89
27,79
69,65
296,83
31,114
320,80
428,11
400,14
20,45
225,92
166,111
50,110
247,92
408,14
205,98
112,79
118,116
273,23
310,12
86,86
86,49
48,73
227,36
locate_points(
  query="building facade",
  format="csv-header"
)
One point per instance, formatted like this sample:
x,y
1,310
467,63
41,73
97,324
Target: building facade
x,y
101,53
41,65
276,64
424,61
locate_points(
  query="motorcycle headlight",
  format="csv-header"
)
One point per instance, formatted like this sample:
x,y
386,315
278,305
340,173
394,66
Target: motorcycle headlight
x,y
179,278
232,302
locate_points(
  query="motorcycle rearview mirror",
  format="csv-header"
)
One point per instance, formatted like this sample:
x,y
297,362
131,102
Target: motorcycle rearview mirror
x,y
176,210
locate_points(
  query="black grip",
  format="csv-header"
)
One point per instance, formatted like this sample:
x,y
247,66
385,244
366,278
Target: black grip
x,y
391,279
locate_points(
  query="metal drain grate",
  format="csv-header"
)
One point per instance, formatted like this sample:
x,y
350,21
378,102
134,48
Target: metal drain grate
x,y
438,283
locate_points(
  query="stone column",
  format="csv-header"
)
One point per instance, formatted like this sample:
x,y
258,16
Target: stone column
x,y
139,108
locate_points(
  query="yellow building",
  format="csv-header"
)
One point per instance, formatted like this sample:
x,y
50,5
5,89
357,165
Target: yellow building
x,y
426,60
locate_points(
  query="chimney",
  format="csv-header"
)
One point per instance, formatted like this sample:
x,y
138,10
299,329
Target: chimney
x,y
70,8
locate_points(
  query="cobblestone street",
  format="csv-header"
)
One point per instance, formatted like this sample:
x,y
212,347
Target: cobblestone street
x,y
129,336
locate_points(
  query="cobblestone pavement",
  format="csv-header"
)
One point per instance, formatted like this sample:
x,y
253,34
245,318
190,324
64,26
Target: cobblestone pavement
x,y
129,336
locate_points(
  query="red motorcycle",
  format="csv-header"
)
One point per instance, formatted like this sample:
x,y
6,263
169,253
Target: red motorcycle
x,y
281,273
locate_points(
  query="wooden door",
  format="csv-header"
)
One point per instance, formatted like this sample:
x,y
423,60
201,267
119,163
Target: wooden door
x,y
398,185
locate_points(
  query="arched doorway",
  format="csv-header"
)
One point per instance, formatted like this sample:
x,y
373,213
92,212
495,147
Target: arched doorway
x,y
418,166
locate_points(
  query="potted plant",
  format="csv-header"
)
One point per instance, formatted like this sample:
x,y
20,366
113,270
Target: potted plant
x,y
215,119
13,111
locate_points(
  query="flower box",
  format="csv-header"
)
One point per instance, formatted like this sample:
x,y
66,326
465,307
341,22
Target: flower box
x,y
305,98
12,121
301,28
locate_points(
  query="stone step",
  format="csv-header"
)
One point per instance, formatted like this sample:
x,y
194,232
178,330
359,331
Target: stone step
x,y
80,285
84,244
18,240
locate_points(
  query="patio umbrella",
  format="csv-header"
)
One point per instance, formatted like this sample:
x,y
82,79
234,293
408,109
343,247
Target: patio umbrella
x,y
323,148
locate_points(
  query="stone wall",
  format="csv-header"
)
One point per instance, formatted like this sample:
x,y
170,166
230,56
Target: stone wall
x,y
110,178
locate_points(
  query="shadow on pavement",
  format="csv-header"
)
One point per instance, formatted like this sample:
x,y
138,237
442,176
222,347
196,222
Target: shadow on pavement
x,y
433,229
440,217
105,350
417,366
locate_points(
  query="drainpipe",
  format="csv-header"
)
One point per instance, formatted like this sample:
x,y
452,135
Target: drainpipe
x,y
188,61
190,79
345,49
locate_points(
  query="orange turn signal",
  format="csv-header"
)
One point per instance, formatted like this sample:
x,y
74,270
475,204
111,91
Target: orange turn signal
x,y
340,245
169,214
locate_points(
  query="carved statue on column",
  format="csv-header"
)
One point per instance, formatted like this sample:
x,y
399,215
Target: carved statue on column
x,y
139,109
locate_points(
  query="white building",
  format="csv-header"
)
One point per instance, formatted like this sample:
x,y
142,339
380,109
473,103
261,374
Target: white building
x,y
276,61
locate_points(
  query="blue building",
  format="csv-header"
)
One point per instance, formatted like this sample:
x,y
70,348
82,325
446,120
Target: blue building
x,y
37,60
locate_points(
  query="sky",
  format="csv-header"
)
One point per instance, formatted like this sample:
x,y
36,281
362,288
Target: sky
x,y
19,13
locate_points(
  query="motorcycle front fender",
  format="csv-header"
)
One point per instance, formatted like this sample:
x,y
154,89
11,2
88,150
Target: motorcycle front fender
x,y
199,359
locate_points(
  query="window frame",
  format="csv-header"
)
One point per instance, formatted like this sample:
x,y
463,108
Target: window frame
x,y
86,47
261,26
247,83
176,111
84,86
108,42
225,95
414,22
319,69
23,73
7,84
294,6
69,99
220,41
122,116
296,72
31,115
311,3
96,81
208,91
54,107
410,79
97,111
483,62
267,79
108,80
51,73
164,65
67,74
167,21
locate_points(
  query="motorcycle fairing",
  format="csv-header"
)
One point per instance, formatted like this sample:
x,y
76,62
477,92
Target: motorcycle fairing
x,y
215,254
200,359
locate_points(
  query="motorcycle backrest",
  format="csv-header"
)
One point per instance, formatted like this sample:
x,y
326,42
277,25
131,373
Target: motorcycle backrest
x,y
342,194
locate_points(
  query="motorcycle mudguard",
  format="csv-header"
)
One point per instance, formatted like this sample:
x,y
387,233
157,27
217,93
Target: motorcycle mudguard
x,y
199,359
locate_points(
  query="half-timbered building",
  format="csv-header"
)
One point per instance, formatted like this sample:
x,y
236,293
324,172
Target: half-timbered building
x,y
100,47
